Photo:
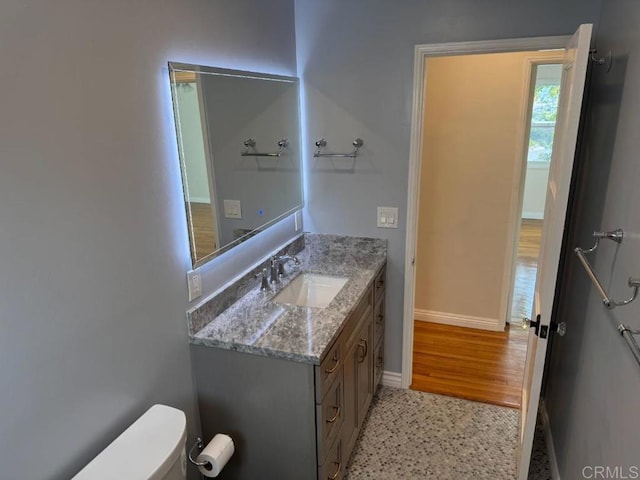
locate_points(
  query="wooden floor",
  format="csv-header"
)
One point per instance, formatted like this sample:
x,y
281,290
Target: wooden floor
x,y
526,269
477,364
203,229
469,363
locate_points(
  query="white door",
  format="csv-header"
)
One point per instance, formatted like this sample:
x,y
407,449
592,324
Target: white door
x,y
564,147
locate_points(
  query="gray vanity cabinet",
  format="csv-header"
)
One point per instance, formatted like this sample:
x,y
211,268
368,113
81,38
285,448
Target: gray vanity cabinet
x,y
292,420
378,327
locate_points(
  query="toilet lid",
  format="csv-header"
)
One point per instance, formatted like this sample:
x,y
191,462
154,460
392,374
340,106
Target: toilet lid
x,y
144,451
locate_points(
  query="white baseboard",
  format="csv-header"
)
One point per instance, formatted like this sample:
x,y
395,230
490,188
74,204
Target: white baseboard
x,y
391,379
551,450
200,199
482,323
532,215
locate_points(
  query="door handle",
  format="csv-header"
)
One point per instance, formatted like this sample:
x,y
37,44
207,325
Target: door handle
x,y
527,323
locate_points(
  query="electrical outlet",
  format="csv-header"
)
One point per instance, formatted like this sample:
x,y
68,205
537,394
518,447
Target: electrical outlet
x,y
194,282
298,220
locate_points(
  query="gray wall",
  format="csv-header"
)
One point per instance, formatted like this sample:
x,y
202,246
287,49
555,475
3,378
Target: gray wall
x,y
265,110
356,60
593,385
93,245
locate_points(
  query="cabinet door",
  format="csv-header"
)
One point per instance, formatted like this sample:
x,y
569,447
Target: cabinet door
x,y
364,369
350,426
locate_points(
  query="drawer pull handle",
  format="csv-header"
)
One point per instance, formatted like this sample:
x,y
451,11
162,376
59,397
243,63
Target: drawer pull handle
x,y
380,362
335,366
335,417
380,318
380,283
335,475
365,349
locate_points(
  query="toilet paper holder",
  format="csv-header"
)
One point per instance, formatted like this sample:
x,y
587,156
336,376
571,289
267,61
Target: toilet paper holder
x,y
199,446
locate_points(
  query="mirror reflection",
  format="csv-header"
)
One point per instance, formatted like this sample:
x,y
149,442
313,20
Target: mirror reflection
x,y
239,147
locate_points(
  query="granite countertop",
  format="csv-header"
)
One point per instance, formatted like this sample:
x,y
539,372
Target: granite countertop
x,y
256,324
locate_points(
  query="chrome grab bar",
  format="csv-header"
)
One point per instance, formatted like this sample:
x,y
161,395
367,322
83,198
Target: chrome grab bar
x,y
596,283
617,236
628,335
250,145
320,144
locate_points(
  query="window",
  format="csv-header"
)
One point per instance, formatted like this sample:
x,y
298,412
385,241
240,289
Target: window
x,y
543,117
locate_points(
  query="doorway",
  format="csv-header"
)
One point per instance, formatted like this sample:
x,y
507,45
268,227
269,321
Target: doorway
x,y
574,53
478,141
541,121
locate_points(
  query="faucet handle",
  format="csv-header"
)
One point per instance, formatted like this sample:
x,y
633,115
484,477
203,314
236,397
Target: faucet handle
x,y
265,282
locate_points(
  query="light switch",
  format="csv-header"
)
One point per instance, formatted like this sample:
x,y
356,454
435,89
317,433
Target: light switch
x,y
387,217
232,209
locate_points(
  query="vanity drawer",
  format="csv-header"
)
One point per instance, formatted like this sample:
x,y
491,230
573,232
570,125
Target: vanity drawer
x,y
378,320
333,466
379,283
330,417
329,369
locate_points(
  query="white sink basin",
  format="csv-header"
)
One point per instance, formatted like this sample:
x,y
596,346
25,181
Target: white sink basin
x,y
311,290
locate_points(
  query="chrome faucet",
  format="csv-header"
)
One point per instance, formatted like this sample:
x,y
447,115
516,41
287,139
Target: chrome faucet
x,y
277,266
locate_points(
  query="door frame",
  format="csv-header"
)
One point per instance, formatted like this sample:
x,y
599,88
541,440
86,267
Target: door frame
x,y
421,54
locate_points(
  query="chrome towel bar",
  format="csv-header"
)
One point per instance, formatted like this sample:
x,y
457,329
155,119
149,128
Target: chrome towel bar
x,y
320,144
628,335
634,283
250,145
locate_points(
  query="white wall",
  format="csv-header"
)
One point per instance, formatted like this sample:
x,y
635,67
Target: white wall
x,y
93,244
356,59
535,189
193,143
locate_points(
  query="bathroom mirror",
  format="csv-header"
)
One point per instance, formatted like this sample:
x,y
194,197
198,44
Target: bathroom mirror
x,y
239,148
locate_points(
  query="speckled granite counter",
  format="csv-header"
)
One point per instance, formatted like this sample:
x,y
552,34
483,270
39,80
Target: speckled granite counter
x,y
253,323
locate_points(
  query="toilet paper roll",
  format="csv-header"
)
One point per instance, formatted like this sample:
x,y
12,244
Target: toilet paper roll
x,y
217,453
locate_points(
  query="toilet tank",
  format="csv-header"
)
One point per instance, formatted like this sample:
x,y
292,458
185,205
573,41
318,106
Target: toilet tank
x,y
152,448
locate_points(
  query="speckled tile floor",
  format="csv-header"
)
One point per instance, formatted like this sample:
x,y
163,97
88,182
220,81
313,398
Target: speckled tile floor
x,y
417,435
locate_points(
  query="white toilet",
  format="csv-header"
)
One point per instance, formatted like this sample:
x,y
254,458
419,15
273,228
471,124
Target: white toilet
x,y
152,448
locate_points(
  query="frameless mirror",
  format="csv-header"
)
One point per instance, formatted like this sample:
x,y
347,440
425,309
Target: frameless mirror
x,y
239,148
